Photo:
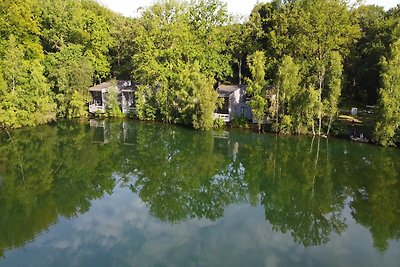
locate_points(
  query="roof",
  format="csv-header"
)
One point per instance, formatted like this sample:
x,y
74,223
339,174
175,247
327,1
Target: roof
x,y
225,90
100,87
123,86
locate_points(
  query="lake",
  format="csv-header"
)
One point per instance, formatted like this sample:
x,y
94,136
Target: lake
x,y
127,193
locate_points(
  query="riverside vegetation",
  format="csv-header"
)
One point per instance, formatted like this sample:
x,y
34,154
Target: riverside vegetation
x,y
310,55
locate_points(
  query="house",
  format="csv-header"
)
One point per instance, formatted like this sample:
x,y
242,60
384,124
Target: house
x,y
126,96
234,102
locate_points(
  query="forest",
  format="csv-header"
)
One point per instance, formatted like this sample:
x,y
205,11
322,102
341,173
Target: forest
x,y
313,56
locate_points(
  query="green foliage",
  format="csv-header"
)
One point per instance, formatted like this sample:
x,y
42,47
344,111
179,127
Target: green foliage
x,y
288,80
304,110
297,56
363,66
61,24
205,99
113,108
219,123
70,74
25,97
285,126
256,86
174,65
334,86
72,39
389,121
308,32
207,20
239,122
145,103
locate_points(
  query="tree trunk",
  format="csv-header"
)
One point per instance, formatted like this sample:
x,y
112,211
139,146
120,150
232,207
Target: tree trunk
x,y
313,129
13,86
329,125
277,106
320,102
240,70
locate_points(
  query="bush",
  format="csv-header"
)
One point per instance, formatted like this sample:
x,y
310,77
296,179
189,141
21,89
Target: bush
x,y
286,125
240,122
219,123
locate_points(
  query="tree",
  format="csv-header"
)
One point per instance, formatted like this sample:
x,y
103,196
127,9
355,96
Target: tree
x,y
70,74
97,44
241,42
173,61
256,86
26,98
323,32
207,20
19,18
204,98
61,24
113,108
389,98
334,86
308,31
362,66
288,80
304,109
123,31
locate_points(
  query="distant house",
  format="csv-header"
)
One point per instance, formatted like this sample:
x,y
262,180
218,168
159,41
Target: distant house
x,y
234,102
126,96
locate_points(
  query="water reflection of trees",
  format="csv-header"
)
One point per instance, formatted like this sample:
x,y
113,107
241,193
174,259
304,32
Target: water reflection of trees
x,y
182,174
303,184
297,190
45,173
376,203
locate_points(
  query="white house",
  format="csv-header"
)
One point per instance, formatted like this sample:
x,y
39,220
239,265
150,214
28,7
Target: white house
x,y
126,96
234,102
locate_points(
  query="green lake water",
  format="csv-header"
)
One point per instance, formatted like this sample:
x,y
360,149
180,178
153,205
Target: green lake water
x,y
139,194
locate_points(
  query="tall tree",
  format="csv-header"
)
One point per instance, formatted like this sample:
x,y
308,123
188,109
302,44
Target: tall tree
x,y
61,23
323,32
362,66
70,74
169,44
288,82
207,19
113,108
257,86
26,98
334,86
241,42
389,98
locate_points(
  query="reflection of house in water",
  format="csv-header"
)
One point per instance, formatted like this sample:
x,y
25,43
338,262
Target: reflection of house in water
x,y
102,129
126,96
224,143
128,134
234,102
99,132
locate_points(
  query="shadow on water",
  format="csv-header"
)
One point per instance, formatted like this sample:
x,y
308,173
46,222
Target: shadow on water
x,y
303,184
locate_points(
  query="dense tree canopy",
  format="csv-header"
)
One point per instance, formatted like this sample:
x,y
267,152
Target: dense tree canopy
x,y
312,55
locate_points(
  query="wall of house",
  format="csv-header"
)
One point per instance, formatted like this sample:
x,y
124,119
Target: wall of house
x,y
239,106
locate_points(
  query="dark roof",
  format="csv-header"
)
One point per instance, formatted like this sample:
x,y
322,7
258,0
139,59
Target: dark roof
x,y
123,86
225,90
100,87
